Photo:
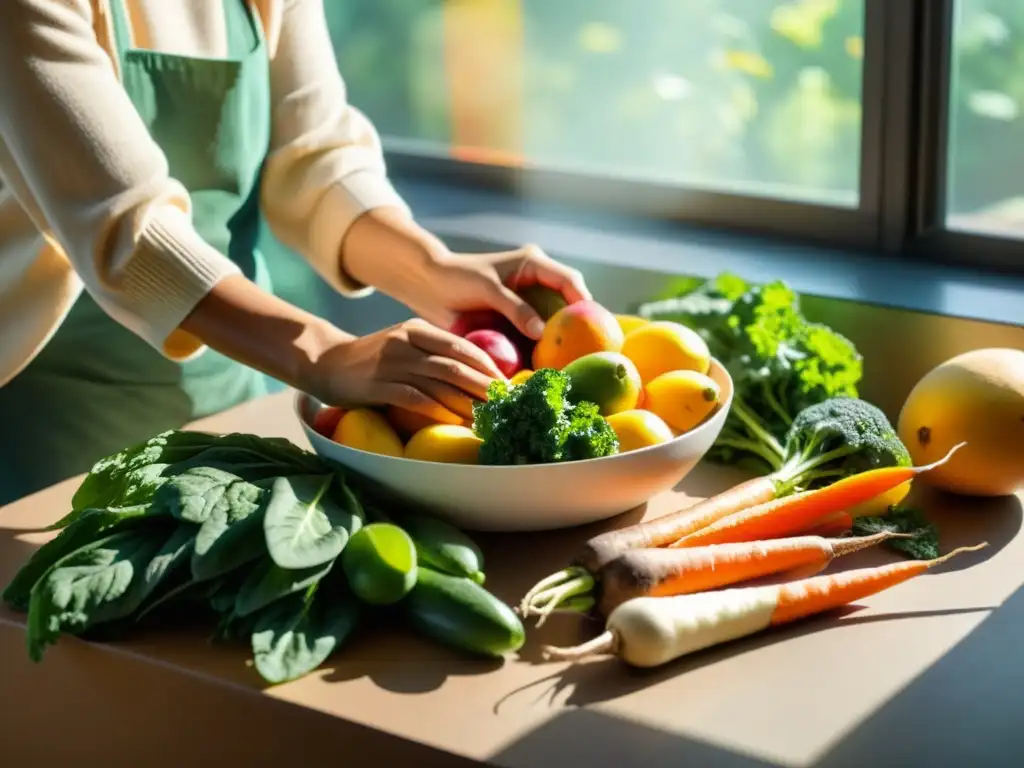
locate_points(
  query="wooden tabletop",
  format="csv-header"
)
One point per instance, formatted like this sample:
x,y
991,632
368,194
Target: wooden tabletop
x,y
929,673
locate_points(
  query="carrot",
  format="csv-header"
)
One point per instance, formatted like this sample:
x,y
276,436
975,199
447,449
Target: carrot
x,y
649,631
792,515
665,572
605,547
837,524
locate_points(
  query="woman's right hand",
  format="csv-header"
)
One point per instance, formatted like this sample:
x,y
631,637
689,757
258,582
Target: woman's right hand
x,y
413,365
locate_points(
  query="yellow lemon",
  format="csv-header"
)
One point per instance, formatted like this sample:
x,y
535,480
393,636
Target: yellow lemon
x,y
663,346
639,429
520,377
446,443
629,323
369,431
683,399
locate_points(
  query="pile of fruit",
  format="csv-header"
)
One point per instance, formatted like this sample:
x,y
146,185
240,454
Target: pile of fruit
x,y
647,380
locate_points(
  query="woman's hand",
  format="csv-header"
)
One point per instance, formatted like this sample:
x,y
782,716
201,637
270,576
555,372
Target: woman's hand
x,y
413,365
385,249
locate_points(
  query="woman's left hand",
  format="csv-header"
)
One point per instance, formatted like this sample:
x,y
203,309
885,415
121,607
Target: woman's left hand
x,y
391,252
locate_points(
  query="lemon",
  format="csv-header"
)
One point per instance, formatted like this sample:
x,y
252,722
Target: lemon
x,y
629,323
521,377
369,431
639,429
379,562
446,443
683,399
662,346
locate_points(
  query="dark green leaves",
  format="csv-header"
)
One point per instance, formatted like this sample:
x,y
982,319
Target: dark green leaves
x,y
294,636
924,546
227,539
268,582
87,586
305,525
199,493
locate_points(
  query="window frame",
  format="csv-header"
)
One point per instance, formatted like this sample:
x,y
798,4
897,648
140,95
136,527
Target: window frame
x,y
904,150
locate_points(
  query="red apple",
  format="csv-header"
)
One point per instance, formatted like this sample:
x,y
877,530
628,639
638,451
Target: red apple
x,y
325,421
499,348
479,320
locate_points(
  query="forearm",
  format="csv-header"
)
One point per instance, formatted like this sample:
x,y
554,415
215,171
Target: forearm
x,y
245,323
386,249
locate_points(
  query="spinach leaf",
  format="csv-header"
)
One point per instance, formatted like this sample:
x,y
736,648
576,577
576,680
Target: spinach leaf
x,y
196,494
275,449
229,538
294,636
305,526
76,535
130,476
175,551
269,582
88,586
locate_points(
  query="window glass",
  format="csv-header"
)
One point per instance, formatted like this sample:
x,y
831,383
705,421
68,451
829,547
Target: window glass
x,y
985,180
747,96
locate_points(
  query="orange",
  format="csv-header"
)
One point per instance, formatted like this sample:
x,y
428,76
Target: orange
x,y
447,443
639,429
406,422
662,346
574,331
629,323
367,430
683,399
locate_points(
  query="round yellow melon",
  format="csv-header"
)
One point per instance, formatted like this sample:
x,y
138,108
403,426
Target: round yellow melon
x,y
975,398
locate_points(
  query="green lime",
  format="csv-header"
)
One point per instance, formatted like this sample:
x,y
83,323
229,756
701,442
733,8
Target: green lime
x,y
380,563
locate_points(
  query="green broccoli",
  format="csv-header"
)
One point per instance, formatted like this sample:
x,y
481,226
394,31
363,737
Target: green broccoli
x,y
534,423
839,437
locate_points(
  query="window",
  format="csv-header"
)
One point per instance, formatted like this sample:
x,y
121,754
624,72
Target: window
x,y
797,117
986,117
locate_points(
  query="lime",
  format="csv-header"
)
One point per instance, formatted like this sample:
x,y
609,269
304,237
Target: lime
x,y
380,563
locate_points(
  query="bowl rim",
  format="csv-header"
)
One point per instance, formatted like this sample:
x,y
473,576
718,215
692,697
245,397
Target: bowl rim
x,y
299,398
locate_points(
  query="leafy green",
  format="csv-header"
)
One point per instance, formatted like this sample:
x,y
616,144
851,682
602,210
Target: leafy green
x,y
534,423
780,362
203,492
294,636
81,532
88,586
268,582
305,526
924,546
227,539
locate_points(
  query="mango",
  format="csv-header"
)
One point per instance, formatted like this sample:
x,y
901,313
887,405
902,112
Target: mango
x,y
607,379
683,399
367,430
447,443
574,331
975,398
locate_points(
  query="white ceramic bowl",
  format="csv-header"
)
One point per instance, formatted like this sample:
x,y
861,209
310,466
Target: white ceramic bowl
x,y
532,497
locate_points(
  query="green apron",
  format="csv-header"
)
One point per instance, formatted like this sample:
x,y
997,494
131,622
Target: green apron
x,y
96,387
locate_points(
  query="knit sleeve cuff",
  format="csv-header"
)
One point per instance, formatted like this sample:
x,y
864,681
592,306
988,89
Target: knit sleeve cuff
x,y
171,269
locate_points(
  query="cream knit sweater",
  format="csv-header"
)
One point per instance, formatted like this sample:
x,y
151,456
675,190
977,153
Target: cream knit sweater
x,y
85,195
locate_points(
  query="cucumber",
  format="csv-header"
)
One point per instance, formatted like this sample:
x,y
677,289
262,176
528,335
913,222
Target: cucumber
x,y
443,547
460,613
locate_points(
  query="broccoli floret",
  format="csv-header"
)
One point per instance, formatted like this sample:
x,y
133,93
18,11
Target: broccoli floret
x,y
589,436
534,423
839,437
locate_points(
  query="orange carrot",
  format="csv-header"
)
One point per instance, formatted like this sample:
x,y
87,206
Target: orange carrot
x,y
666,572
792,515
837,524
649,631
605,547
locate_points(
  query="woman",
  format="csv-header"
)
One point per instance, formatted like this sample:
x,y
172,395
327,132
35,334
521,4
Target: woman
x,y
140,142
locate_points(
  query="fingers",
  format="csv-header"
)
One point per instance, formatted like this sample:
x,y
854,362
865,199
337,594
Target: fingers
x,y
454,373
434,341
538,267
411,398
506,301
452,398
